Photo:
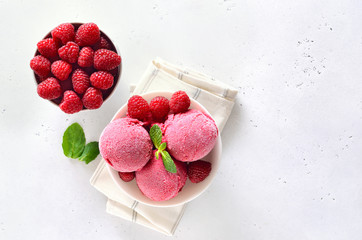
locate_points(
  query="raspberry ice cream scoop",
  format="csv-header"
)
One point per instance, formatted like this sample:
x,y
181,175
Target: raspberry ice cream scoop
x,y
156,183
125,145
190,136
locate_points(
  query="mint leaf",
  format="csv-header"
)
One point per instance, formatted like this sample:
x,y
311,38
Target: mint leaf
x,y
73,141
156,135
162,146
90,152
168,162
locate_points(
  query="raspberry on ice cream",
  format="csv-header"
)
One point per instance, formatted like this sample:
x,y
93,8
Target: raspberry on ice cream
x,y
199,170
125,145
137,107
156,183
126,176
159,107
179,102
190,135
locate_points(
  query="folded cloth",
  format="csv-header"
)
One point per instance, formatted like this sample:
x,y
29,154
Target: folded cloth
x,y
217,97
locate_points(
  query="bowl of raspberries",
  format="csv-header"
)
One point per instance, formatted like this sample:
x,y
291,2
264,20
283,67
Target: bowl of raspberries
x,y
76,66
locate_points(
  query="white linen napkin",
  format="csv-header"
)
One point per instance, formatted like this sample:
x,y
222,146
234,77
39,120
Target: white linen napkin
x,y
217,97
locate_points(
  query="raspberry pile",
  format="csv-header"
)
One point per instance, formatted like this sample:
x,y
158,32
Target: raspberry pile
x,y
76,67
157,111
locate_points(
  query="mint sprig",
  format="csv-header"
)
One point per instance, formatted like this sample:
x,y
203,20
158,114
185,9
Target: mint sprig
x,y
162,146
156,137
168,162
74,144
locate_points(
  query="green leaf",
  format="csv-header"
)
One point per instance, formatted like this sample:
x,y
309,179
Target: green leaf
x,y
162,146
168,162
90,152
73,141
156,135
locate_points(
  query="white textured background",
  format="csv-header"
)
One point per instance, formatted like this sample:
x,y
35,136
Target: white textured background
x,y
291,166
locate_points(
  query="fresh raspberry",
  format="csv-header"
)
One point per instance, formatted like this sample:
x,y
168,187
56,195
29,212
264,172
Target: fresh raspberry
x,y
138,108
102,80
92,98
179,102
126,176
87,34
49,89
63,33
159,107
40,65
71,103
69,52
86,56
47,48
61,69
80,81
106,59
102,44
198,170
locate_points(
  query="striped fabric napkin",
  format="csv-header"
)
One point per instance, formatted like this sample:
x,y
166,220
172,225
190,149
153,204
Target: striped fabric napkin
x,y
217,97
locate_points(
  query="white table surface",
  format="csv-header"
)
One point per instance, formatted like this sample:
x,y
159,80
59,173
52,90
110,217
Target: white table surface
x,y
291,166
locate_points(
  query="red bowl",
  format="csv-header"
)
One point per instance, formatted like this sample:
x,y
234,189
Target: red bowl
x,y
67,84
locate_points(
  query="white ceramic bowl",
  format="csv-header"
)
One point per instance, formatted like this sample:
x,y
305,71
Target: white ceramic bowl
x,y
191,190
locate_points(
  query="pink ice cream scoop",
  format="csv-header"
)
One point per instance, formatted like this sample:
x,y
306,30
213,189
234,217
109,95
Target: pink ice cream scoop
x,y
190,136
125,145
156,183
